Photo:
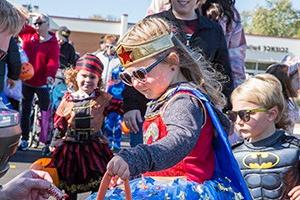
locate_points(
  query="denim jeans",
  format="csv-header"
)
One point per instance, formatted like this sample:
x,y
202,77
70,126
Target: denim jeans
x,y
136,138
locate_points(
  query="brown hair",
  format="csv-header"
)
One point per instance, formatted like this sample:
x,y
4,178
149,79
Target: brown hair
x,y
280,71
214,11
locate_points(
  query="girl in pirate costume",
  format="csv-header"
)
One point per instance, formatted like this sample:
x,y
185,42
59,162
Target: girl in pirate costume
x,y
183,134
81,151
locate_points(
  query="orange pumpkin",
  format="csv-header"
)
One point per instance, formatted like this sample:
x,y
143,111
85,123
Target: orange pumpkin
x,y
43,165
125,130
27,71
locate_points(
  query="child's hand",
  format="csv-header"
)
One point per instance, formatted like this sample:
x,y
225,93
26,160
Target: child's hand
x,y
118,167
51,149
294,194
115,181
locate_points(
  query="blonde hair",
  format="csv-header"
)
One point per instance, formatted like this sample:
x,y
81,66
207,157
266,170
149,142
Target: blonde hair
x,y
264,90
192,64
12,19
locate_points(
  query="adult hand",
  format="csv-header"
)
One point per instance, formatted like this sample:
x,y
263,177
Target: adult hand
x,y
29,185
11,83
294,194
132,120
118,167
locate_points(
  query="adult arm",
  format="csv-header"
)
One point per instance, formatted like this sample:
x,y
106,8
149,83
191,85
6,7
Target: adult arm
x,y
72,56
13,60
53,59
237,50
60,122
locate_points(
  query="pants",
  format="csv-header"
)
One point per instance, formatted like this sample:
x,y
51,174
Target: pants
x,y
43,102
14,103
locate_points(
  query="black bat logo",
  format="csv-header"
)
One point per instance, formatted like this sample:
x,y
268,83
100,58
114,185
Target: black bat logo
x,y
260,160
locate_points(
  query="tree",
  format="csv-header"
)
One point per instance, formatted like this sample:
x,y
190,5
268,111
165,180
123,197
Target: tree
x,y
278,18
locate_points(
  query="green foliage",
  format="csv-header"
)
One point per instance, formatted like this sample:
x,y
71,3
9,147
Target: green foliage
x,y
278,18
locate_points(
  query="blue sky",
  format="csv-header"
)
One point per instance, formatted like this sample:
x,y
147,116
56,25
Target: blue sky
x,y
135,9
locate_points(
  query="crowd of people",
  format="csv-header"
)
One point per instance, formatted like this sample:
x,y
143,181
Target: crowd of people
x,y
176,80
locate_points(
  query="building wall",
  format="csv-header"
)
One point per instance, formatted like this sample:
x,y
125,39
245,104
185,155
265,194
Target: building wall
x,y
86,33
261,50
85,42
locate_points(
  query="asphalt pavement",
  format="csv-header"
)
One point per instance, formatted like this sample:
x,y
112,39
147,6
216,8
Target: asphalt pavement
x,y
23,159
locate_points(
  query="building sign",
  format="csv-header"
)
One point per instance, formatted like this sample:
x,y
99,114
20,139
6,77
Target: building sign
x,y
267,48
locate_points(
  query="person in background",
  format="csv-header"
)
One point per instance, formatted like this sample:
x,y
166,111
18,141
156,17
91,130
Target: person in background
x,y
41,47
293,71
198,32
109,58
13,62
14,59
280,71
112,122
268,157
10,69
224,12
101,44
30,184
67,51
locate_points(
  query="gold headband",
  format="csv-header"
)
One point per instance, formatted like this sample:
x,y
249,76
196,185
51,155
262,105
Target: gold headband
x,y
129,54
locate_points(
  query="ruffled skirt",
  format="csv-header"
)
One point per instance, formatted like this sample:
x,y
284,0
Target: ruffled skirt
x,y
81,165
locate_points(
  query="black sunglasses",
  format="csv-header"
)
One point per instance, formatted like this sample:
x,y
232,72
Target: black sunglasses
x,y
243,114
140,74
39,23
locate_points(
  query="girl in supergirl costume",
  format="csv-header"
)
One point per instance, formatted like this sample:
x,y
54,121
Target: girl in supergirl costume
x,y
183,134
81,151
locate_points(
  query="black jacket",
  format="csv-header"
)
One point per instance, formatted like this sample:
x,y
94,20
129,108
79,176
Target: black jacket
x,y
209,37
13,62
67,55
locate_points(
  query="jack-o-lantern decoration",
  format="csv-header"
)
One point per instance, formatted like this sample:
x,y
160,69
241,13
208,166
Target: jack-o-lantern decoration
x,y
27,71
43,164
